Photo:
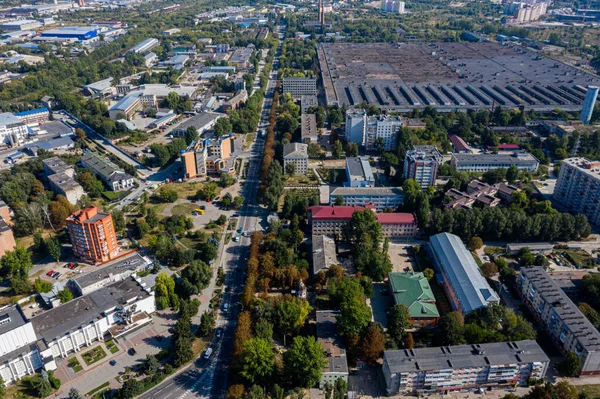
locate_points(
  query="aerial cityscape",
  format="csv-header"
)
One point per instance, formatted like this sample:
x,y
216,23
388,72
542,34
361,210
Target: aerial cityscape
x,y
311,199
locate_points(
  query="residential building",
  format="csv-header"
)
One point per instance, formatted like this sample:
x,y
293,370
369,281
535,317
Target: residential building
x,y
506,192
145,46
93,235
478,193
308,101
463,282
588,104
568,328
12,129
393,6
110,311
100,88
203,122
60,183
108,172
356,126
358,173
421,164
336,365
380,197
445,369
330,220
308,128
120,269
235,101
323,253
298,87
19,352
485,162
34,116
413,291
382,132
210,156
241,57
459,145
296,154
578,187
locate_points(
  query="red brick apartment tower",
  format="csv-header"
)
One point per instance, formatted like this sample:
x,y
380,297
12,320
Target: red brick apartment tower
x,y
93,235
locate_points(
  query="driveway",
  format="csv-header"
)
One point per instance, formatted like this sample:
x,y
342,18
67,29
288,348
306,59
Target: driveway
x,y
380,303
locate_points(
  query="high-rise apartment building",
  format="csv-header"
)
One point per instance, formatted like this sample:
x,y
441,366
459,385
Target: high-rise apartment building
x,y
588,104
365,130
356,124
421,164
93,235
578,187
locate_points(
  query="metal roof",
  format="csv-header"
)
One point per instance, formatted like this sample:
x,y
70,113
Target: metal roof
x,y
414,291
462,273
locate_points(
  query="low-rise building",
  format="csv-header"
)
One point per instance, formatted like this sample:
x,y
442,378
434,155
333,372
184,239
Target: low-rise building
x,y
359,173
34,116
241,57
58,144
12,130
463,282
108,172
125,108
20,25
110,311
380,197
203,122
413,291
323,253
478,193
150,59
308,128
296,154
333,344
109,273
100,88
568,328
61,178
446,369
145,46
308,101
235,101
298,87
330,220
506,192
545,248
485,162
459,145
210,156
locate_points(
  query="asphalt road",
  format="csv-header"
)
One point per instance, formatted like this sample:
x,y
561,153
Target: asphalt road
x,y
207,378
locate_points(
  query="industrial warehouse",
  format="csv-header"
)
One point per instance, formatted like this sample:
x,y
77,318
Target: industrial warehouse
x,y
449,76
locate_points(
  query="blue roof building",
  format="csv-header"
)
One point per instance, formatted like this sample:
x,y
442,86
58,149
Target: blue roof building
x,y
73,32
463,282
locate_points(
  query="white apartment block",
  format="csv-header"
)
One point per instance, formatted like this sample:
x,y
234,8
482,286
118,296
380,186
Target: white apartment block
x,y
356,124
384,127
578,187
421,164
297,154
380,197
446,369
300,86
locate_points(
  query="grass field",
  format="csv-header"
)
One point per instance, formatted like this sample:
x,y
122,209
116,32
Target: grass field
x,y
580,257
185,209
591,391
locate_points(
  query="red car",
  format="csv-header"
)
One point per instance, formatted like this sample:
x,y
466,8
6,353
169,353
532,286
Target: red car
x,y
50,273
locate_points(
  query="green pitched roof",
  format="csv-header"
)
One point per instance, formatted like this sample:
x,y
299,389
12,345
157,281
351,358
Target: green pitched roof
x,y
413,290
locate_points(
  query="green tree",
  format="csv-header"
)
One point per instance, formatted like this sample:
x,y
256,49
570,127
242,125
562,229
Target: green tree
x,y
118,219
263,329
64,295
16,265
411,190
428,273
351,149
451,329
142,228
53,247
354,316
191,134
340,389
131,388
571,365
291,314
195,277
339,200
372,344
207,324
398,322
41,286
512,174
337,150
74,394
290,168
475,243
42,387
151,365
152,217
489,269
592,315
256,361
304,361
167,195
226,201
256,392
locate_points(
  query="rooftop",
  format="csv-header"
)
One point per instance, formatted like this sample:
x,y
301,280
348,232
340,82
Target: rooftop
x,y
333,212
11,318
199,121
464,356
359,169
64,181
331,342
55,128
84,310
471,288
414,291
100,85
571,317
9,120
590,168
308,126
488,158
51,144
392,191
422,152
295,150
32,112
126,263
396,218
458,143
56,165
100,165
323,253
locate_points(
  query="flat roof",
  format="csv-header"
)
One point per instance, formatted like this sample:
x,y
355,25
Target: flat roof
x,y
359,169
119,266
331,341
8,119
86,309
522,157
308,126
563,307
368,191
199,121
11,317
531,245
464,356
463,274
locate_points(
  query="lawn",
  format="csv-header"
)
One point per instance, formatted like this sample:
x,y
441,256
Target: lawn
x,y
580,258
184,209
94,355
591,391
111,346
93,391
301,180
248,140
75,365
184,190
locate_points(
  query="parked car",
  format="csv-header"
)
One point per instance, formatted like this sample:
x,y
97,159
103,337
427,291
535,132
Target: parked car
x,y
219,332
132,352
113,362
50,273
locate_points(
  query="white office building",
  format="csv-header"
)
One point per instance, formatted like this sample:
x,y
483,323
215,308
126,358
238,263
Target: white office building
x,y
12,129
356,125
298,87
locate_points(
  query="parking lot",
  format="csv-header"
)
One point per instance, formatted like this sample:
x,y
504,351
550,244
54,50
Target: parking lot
x,y
400,258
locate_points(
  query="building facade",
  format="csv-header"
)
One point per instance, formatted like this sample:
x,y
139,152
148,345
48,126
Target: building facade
x,y
61,178
421,164
463,282
208,156
12,130
569,329
578,187
588,104
356,125
296,154
358,173
380,197
382,131
308,128
93,235
300,86
485,162
446,369
336,365
108,172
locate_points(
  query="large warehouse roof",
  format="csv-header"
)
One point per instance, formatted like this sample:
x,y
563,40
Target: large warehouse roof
x,y
463,274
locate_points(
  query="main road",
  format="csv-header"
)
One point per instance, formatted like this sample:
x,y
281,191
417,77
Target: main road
x,y
207,378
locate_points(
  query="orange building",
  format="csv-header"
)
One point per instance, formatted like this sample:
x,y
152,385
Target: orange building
x,y
93,235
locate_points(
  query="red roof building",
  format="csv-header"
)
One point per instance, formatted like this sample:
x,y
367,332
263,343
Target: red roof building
x,y
329,220
459,144
505,147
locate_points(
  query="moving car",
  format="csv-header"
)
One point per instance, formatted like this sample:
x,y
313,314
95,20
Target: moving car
x,y
208,352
